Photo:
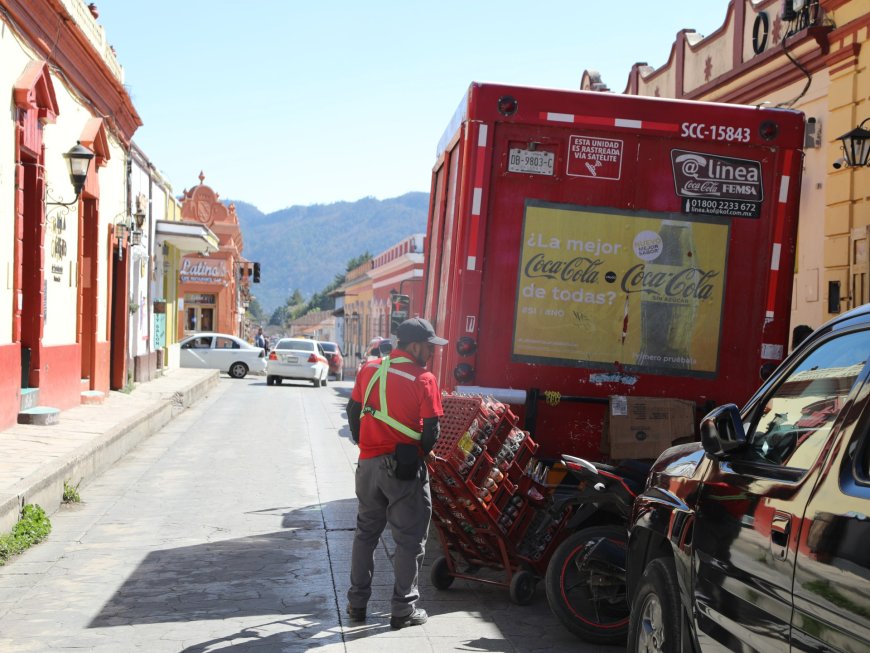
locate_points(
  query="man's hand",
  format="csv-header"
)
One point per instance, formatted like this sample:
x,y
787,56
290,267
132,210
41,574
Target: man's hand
x,y
354,411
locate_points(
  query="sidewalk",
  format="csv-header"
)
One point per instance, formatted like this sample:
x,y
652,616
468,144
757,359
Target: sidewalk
x,y
36,460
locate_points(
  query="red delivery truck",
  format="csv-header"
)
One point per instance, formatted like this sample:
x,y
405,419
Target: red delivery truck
x,y
602,261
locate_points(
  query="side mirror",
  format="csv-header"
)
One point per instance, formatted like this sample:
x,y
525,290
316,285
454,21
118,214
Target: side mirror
x,y
722,431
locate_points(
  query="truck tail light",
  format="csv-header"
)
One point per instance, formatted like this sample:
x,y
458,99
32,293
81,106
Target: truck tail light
x,y
273,356
466,346
463,373
768,130
507,105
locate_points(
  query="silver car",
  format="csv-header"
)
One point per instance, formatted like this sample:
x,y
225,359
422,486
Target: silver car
x,y
223,352
298,359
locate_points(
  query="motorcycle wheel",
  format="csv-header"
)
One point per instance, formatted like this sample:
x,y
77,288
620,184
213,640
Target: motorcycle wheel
x,y
586,587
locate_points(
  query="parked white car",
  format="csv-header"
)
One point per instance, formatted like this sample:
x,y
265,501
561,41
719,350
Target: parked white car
x,y
219,351
298,359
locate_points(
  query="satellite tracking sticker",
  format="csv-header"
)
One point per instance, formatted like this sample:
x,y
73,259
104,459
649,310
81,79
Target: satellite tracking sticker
x,y
597,158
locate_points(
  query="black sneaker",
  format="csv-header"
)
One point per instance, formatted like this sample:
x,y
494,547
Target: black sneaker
x,y
416,618
356,614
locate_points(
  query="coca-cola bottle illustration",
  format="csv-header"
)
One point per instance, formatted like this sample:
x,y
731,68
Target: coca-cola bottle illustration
x,y
667,310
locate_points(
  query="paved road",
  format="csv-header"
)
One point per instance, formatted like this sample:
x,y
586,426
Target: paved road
x,y
230,530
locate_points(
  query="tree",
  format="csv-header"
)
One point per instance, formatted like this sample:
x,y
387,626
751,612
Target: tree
x,y
255,311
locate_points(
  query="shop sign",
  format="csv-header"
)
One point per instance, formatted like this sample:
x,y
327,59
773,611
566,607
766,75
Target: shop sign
x,y
204,270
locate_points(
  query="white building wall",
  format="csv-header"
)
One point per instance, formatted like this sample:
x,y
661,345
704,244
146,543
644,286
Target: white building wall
x,y
14,61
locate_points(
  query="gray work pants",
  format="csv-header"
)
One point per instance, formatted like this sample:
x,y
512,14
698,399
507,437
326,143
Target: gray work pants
x,y
407,507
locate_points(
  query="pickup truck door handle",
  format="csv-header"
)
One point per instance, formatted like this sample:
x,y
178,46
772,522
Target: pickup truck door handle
x,y
780,531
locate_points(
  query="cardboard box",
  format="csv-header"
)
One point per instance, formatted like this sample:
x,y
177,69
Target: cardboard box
x,y
643,427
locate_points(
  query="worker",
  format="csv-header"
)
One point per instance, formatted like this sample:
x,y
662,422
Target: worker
x,y
393,414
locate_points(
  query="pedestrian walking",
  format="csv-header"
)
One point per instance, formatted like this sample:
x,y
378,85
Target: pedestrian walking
x,y
260,340
393,414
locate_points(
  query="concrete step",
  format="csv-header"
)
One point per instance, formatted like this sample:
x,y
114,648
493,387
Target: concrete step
x,y
40,415
29,398
93,397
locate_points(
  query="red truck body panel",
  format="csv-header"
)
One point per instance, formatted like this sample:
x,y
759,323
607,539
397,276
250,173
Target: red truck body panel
x,y
588,245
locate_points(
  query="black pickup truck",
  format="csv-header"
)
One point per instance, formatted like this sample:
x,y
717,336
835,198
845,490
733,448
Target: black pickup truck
x,y
758,537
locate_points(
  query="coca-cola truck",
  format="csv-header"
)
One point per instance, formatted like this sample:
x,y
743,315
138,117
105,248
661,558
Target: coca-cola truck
x,y
586,250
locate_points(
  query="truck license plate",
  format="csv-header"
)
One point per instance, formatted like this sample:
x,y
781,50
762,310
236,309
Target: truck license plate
x,y
535,162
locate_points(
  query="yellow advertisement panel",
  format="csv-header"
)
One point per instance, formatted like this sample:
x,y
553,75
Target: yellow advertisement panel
x,y
608,288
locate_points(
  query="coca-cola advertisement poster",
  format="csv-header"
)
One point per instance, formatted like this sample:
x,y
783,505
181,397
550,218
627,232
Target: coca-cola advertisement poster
x,y
717,185
600,287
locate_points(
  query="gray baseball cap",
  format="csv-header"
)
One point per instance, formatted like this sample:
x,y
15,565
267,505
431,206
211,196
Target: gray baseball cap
x,y
418,330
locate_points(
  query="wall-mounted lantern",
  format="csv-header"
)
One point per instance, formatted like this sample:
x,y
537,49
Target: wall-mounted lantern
x,y
78,160
856,147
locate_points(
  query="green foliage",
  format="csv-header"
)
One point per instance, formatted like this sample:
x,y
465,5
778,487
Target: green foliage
x,y
71,492
33,527
359,260
255,311
279,316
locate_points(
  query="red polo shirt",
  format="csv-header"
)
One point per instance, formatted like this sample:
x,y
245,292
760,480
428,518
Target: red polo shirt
x,y
412,395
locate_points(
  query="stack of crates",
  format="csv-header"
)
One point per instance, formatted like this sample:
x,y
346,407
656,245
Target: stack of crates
x,y
486,504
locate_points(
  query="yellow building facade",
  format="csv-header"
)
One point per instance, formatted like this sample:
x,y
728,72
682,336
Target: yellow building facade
x,y
815,59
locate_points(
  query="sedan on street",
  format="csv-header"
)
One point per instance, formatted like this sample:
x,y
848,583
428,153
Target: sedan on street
x,y
223,352
335,358
299,359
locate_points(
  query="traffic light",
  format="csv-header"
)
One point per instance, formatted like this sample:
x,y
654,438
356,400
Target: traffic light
x,y
256,273
399,305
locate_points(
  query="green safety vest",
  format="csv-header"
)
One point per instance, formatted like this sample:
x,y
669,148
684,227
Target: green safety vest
x,y
380,377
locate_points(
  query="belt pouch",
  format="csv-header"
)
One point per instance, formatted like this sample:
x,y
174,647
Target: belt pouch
x,y
407,461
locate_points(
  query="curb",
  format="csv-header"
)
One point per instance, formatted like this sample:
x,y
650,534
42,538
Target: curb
x,y
45,486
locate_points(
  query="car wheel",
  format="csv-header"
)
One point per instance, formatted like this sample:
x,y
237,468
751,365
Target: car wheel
x,y
655,615
238,370
323,380
315,382
270,380
340,375
585,584
278,380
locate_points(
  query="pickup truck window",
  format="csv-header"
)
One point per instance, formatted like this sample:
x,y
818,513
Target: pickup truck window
x,y
795,420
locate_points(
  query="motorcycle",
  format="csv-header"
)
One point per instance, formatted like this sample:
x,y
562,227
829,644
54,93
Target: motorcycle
x,y
585,578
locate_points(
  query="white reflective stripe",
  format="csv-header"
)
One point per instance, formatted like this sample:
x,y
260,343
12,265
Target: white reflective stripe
x,y
625,122
481,136
472,262
407,375
774,257
475,202
783,188
560,117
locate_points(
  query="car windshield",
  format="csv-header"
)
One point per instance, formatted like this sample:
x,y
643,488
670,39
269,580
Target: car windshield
x,y
331,347
299,345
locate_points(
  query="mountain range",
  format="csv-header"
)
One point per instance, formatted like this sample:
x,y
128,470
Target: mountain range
x,y
306,247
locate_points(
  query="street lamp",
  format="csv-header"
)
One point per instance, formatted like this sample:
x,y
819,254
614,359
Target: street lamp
x,y
78,160
856,147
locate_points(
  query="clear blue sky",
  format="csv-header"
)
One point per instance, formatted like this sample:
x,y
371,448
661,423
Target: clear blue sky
x,y
285,102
